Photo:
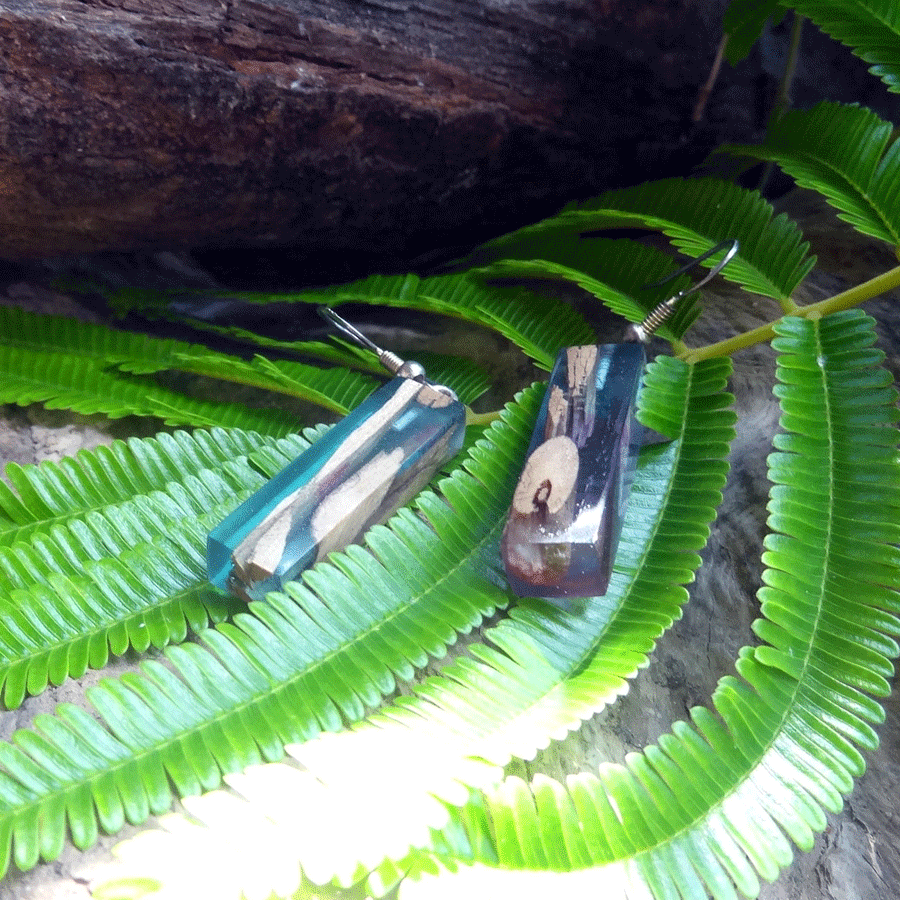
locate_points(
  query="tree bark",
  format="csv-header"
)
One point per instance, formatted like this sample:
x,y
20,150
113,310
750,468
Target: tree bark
x,y
343,126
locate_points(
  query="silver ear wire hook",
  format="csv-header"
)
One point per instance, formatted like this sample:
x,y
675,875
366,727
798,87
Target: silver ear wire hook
x,y
392,362
643,330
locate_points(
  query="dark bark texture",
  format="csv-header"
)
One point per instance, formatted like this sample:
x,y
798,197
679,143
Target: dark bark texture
x,y
361,134
334,125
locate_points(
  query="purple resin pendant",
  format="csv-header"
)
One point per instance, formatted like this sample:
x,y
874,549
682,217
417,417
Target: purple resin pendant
x,y
563,527
566,515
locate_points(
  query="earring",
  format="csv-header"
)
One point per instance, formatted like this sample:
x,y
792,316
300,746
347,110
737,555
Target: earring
x,y
366,467
564,522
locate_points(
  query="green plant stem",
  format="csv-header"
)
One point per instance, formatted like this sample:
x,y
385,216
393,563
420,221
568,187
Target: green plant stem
x,y
887,281
473,418
783,98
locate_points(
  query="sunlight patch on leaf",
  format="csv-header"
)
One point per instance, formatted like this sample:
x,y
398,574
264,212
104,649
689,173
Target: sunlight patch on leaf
x,y
537,675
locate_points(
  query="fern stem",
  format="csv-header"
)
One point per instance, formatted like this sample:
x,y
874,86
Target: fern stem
x,y
783,98
705,92
881,284
474,418
887,281
244,374
731,345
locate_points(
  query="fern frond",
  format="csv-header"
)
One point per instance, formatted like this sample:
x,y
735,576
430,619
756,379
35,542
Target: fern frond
x,y
870,28
55,628
696,214
536,327
66,364
338,390
538,675
846,153
41,497
715,803
285,670
619,273
465,377
83,575
106,349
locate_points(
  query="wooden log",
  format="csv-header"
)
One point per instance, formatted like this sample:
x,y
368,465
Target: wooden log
x,y
360,127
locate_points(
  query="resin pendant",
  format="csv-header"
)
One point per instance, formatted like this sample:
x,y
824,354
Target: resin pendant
x,y
566,515
564,523
366,467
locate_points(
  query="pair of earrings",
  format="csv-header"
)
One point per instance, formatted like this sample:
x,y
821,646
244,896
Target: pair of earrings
x,y
566,514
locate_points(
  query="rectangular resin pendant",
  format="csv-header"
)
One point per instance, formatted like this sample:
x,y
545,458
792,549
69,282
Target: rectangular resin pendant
x,y
366,467
563,526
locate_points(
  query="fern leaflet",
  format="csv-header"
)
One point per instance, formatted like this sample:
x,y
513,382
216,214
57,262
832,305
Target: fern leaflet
x,y
870,28
91,368
86,573
696,214
535,326
846,153
744,21
622,274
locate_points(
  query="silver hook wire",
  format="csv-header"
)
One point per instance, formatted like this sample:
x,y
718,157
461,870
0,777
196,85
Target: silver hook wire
x,y
643,330
350,331
393,363
732,246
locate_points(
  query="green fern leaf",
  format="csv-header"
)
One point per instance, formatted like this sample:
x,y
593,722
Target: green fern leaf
x,y
712,806
62,381
55,629
466,378
743,22
538,674
48,495
846,153
870,28
86,575
696,214
536,327
622,274
67,364
338,390
285,670
98,351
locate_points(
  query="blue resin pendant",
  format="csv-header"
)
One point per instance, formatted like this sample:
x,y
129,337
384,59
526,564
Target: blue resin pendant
x,y
563,526
564,523
366,467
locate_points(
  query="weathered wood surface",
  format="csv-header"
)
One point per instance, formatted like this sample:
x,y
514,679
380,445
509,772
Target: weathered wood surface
x,y
363,126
